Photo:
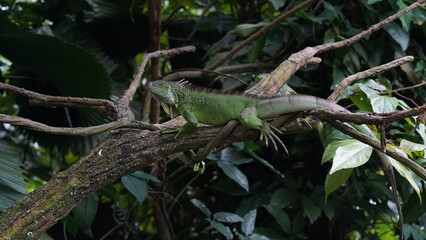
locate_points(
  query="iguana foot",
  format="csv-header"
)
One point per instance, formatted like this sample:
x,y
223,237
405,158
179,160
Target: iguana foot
x,y
267,134
178,129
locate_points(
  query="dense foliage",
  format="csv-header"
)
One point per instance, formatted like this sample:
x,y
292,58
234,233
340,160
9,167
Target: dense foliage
x,y
91,49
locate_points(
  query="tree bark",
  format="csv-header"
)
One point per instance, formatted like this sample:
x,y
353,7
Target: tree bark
x,y
121,153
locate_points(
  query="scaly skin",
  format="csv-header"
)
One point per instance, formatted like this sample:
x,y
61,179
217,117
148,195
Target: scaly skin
x,y
209,106
199,105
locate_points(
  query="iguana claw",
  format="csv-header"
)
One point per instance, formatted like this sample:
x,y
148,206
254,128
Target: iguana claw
x,y
178,129
267,134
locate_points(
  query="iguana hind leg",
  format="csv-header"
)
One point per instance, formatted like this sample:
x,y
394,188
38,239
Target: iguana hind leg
x,y
249,118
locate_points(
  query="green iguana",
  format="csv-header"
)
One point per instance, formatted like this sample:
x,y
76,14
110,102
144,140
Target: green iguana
x,y
216,107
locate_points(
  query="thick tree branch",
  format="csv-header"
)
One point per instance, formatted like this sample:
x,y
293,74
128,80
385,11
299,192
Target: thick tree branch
x,y
122,153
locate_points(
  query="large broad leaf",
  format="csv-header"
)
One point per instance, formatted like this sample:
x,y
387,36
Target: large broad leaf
x,y
12,180
200,205
137,187
227,217
405,171
398,35
85,212
335,180
224,230
311,209
234,173
383,104
353,154
72,70
247,226
281,217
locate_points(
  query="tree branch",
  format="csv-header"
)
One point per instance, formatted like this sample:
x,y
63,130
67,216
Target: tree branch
x,y
419,170
259,33
270,85
106,107
121,153
128,94
365,74
77,131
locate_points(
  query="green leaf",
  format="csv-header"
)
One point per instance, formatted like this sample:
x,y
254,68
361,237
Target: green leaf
x,y
335,180
137,187
277,3
283,197
312,210
234,173
264,163
145,176
227,217
12,180
256,236
420,66
398,35
352,155
72,70
407,18
247,29
215,21
247,225
85,211
256,50
330,150
281,217
405,171
235,155
413,208
329,37
224,230
371,2
45,236
383,104
411,146
200,205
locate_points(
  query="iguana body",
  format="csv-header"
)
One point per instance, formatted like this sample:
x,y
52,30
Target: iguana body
x,y
215,107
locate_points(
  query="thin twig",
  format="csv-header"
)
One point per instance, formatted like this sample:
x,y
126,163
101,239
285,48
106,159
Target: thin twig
x,y
365,74
408,88
367,118
259,33
369,31
128,94
185,73
76,131
104,106
271,84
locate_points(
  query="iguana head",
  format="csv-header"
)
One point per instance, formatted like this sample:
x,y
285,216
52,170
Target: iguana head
x,y
162,91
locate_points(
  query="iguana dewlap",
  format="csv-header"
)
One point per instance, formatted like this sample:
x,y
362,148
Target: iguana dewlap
x,y
216,107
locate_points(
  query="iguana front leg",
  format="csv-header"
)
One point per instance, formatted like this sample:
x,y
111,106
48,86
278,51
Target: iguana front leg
x,y
250,119
190,125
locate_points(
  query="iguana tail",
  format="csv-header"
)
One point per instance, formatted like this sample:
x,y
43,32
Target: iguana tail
x,y
292,103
